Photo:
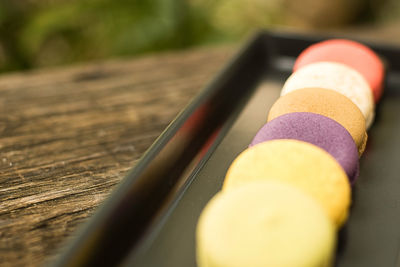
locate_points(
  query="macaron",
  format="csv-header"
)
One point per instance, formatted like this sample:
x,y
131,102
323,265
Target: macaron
x,y
264,224
351,53
337,77
301,164
327,103
317,130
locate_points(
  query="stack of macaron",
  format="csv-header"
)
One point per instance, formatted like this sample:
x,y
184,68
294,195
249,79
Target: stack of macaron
x,y
285,197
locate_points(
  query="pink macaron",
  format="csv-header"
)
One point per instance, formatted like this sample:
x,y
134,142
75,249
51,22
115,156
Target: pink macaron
x,y
353,54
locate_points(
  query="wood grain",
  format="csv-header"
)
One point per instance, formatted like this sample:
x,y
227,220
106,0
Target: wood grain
x,y
68,136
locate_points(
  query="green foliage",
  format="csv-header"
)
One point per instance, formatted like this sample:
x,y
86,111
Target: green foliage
x,y
48,33
36,33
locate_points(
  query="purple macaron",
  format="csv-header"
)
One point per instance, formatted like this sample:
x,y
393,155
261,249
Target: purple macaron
x,y
318,130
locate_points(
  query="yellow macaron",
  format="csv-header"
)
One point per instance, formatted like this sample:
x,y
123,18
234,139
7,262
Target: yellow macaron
x,y
301,164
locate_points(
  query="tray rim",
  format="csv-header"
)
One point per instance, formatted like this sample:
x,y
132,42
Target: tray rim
x,y
70,254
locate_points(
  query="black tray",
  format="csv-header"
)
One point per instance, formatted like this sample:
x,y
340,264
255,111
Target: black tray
x,y
150,219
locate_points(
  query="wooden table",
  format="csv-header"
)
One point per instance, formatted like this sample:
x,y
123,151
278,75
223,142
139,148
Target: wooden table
x,y
68,136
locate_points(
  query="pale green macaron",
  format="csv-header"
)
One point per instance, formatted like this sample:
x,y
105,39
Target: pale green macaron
x,y
264,223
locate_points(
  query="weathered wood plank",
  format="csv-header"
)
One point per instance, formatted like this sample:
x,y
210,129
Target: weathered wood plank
x,y
68,136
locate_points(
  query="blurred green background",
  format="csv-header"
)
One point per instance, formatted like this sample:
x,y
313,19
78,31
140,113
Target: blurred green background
x,y
43,33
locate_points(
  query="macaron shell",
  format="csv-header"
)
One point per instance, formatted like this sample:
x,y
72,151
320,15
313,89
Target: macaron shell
x,y
301,164
337,77
317,130
264,223
327,103
350,53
